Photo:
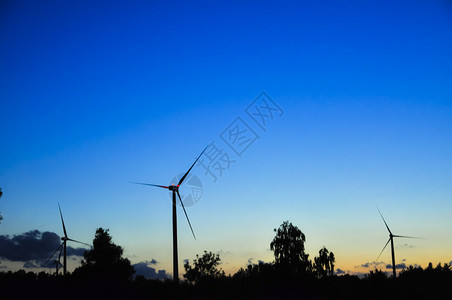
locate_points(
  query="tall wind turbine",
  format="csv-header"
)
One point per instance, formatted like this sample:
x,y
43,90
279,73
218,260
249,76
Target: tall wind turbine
x,y
65,238
175,190
391,239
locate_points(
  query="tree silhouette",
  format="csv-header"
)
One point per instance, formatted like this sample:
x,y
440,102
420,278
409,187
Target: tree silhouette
x,y
105,258
204,267
324,263
288,248
376,274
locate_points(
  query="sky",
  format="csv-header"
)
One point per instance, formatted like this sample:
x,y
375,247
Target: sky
x,y
315,112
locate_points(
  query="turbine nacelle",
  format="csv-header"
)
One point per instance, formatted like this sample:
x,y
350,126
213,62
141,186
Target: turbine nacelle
x,y
173,187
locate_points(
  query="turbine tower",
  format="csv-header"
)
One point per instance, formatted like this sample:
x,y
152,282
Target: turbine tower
x,y
175,190
391,239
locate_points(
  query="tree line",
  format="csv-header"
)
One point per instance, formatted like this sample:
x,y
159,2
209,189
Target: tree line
x,y
105,271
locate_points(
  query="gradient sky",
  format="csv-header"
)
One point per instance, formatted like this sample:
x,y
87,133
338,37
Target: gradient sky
x,y
95,95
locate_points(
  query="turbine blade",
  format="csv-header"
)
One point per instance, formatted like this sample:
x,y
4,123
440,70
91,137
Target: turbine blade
x,y
383,249
161,186
408,237
78,242
183,177
186,215
59,255
62,221
59,247
384,221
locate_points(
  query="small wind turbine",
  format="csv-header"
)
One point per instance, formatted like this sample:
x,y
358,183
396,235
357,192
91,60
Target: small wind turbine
x,y
391,239
175,190
63,244
56,262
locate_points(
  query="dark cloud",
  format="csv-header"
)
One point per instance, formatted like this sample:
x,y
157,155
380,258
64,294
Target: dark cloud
x,y
142,269
31,264
339,271
398,266
151,262
404,259
371,264
33,246
406,246
75,251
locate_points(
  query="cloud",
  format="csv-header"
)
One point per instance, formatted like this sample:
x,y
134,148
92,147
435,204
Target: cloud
x,y
404,259
30,264
398,266
406,246
151,262
339,271
142,269
450,263
33,246
371,264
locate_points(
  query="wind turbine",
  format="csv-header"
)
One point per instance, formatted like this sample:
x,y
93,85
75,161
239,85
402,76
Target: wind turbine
x,y
56,262
65,238
175,190
391,239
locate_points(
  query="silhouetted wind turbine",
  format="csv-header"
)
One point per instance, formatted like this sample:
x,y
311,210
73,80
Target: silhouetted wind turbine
x,y
391,239
175,190
56,262
65,238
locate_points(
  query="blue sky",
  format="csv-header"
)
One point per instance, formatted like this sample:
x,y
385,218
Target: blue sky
x,y
94,96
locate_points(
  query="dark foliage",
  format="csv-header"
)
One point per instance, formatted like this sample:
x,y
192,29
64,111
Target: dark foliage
x,y
105,259
258,281
204,268
288,248
324,263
